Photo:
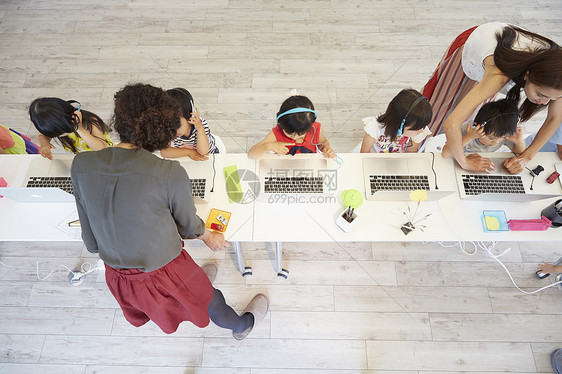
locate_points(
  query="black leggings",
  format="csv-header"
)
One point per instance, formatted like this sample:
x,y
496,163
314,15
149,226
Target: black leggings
x,y
223,315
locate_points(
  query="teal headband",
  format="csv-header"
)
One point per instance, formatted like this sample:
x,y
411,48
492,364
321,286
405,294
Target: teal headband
x,y
296,110
414,104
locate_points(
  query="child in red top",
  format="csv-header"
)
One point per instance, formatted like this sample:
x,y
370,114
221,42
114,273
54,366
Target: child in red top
x,y
296,131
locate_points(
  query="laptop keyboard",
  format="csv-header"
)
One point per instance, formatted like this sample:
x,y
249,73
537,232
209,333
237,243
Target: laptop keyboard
x,y
294,185
64,183
398,182
479,184
198,187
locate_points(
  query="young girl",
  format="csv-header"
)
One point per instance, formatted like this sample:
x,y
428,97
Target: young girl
x,y
193,138
12,142
77,130
296,132
401,128
491,58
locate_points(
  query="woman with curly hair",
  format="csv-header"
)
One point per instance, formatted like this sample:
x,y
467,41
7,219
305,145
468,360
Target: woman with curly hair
x,y
134,210
490,59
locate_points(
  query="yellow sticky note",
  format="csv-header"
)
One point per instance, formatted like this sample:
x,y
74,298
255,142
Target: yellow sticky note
x,y
418,195
492,223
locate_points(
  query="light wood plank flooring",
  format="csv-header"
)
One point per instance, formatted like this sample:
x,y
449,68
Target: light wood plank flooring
x,y
359,308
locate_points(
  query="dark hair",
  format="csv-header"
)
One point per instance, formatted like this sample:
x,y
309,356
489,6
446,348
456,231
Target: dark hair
x,y
184,99
53,117
544,65
499,118
296,123
145,116
418,118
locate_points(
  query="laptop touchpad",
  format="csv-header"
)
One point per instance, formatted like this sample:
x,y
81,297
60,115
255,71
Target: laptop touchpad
x,y
397,166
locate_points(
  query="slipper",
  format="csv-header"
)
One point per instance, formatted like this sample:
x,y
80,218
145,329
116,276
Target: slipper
x,y
211,270
258,307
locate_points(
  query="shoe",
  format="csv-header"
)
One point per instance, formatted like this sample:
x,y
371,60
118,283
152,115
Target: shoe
x,y
211,270
558,279
258,307
556,360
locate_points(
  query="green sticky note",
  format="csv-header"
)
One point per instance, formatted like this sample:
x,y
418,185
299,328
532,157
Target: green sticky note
x,y
233,187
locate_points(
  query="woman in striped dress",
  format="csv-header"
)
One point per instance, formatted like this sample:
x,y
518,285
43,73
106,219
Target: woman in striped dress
x,y
490,59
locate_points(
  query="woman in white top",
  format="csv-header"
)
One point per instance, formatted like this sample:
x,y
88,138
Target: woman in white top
x,y
488,59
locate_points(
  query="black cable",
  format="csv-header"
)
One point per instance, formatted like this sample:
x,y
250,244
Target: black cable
x,y
214,174
432,168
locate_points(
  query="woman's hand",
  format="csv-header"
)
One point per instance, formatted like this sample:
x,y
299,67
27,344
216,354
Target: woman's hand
x,y
475,162
515,165
214,240
546,267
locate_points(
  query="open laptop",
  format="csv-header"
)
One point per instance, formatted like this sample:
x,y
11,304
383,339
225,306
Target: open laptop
x,y
201,175
304,175
45,181
500,185
392,177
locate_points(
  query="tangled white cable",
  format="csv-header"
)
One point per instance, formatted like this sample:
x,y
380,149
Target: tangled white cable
x,y
481,245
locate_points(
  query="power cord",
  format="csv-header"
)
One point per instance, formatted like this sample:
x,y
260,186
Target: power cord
x,y
75,277
433,169
481,245
214,174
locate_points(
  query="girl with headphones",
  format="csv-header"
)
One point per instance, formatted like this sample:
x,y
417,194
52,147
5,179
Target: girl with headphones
x,y
296,132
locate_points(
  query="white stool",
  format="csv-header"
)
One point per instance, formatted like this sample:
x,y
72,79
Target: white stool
x,y
219,144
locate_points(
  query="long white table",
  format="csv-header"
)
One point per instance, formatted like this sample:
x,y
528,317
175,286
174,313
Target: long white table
x,y
49,221
452,218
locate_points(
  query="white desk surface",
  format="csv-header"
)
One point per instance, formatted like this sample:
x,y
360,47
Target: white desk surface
x,y
47,221
452,218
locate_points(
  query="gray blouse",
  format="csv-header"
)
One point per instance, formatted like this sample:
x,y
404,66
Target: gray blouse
x,y
133,207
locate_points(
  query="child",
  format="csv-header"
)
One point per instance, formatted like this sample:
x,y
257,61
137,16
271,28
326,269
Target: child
x,y
194,137
296,132
401,128
12,142
495,125
77,130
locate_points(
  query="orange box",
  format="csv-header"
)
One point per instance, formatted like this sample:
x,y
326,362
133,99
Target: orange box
x,y
214,219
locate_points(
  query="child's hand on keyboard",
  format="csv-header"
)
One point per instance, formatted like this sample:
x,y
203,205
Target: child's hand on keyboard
x,y
280,147
329,152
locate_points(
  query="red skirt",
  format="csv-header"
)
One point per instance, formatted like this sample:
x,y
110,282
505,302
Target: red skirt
x,y
179,291
448,84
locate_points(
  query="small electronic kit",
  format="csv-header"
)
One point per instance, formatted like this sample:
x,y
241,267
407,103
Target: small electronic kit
x,y
552,177
218,220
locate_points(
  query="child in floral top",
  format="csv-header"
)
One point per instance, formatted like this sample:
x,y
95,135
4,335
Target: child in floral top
x,y
401,128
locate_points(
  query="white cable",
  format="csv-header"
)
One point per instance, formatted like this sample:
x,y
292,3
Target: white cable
x,y
77,274
480,244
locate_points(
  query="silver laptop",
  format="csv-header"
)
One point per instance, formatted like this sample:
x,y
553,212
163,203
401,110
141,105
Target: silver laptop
x,y
393,177
500,185
304,174
201,175
45,181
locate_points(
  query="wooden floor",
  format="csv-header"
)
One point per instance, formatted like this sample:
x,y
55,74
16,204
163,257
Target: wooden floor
x,y
363,308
